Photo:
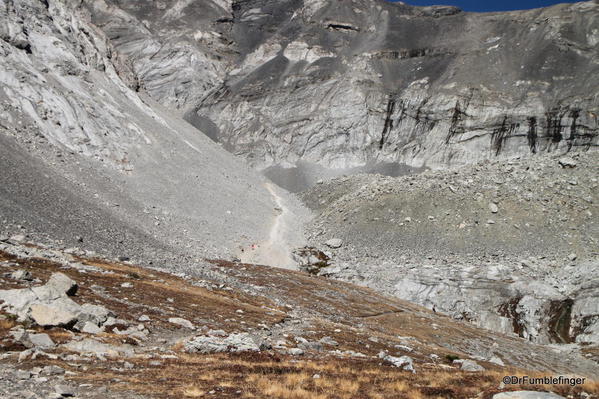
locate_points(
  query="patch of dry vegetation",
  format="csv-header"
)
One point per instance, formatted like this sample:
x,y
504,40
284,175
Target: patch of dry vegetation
x,y
278,377
337,310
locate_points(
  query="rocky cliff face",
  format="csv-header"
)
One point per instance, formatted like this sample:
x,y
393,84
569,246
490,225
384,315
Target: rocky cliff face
x,y
350,84
510,247
94,160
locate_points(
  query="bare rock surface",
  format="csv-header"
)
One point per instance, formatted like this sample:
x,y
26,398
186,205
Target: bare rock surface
x,y
529,269
96,162
247,317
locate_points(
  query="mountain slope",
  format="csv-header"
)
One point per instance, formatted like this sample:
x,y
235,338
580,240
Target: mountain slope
x,y
94,159
362,84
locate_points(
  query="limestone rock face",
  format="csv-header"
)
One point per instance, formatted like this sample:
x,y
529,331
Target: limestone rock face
x,y
93,155
343,85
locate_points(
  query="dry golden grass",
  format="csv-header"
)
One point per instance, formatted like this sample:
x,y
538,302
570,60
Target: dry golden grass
x,y
251,376
7,324
270,375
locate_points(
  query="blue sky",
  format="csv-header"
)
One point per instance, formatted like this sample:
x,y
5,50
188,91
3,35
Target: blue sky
x,y
488,5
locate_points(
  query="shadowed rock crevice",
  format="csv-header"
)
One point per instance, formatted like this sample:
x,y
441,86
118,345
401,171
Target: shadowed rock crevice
x,y
560,319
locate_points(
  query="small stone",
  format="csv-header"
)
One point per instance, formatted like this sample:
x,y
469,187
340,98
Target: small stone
x,y
572,256
316,376
334,243
493,207
143,318
469,365
53,370
181,322
91,328
496,360
126,285
18,238
42,341
64,390
21,275
296,351
23,374
567,162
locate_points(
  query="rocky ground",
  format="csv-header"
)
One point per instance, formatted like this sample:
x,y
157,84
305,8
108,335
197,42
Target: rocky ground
x,y
509,246
74,326
96,162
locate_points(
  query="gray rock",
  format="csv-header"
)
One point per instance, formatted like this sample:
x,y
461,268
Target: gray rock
x,y
23,374
58,285
18,238
239,342
469,365
181,322
52,315
42,341
295,351
334,243
404,362
568,162
91,328
93,346
64,390
493,207
527,395
21,275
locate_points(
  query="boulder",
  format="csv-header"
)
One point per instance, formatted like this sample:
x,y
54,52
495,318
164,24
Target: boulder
x,y
52,315
334,243
527,395
239,342
21,275
567,162
98,348
42,341
404,362
49,305
469,365
91,328
181,322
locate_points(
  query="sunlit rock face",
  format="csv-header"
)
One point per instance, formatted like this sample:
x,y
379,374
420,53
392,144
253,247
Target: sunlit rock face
x,y
347,84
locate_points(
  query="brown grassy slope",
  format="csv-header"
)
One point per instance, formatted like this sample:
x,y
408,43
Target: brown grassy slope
x,y
357,318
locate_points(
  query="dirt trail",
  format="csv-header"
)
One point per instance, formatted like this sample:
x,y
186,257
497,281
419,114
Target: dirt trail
x,y
284,237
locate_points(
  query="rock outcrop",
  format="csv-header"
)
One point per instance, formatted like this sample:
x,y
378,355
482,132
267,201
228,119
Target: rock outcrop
x,y
93,160
318,88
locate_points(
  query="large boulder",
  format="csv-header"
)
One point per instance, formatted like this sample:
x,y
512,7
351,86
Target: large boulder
x,y
50,305
52,315
239,342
